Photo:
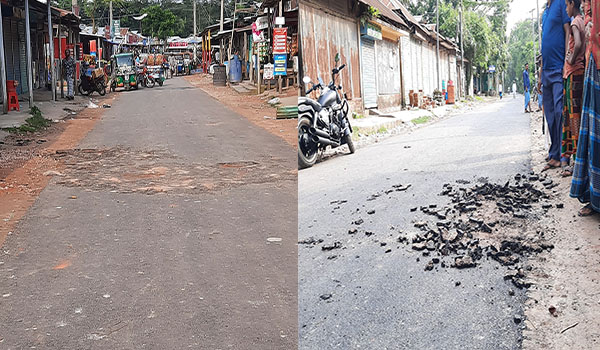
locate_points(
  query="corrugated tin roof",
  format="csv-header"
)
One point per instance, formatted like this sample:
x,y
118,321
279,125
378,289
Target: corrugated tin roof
x,y
385,8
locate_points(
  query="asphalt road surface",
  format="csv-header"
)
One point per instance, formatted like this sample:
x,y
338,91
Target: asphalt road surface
x,y
359,296
173,227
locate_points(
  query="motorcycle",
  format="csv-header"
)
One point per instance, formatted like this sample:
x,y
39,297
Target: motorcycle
x,y
90,83
323,122
145,78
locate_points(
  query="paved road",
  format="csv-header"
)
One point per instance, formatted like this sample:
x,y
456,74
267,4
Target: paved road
x,y
384,300
164,245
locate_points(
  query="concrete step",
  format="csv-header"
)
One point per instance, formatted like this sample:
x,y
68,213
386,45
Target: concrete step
x,y
240,89
249,86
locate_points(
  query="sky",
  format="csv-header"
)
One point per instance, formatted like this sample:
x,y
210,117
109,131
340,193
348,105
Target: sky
x,y
519,10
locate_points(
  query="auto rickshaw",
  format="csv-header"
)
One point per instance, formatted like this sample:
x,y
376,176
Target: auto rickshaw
x,y
124,73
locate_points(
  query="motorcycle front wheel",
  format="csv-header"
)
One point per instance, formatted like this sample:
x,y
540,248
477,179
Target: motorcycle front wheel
x,y
307,149
150,82
101,88
350,143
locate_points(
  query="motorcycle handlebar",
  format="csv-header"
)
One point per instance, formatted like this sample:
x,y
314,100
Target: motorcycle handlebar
x,y
342,67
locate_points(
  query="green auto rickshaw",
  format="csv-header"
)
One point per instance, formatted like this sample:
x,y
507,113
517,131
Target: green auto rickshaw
x,y
124,72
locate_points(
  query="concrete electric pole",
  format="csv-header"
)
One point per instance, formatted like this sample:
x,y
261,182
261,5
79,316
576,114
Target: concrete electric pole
x,y
462,52
437,29
195,33
221,33
110,19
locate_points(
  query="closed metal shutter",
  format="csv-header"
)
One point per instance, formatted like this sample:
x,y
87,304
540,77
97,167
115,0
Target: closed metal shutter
x,y
9,49
369,75
24,82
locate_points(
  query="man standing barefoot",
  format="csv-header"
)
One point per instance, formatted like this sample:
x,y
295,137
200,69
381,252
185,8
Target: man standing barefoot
x,y
555,28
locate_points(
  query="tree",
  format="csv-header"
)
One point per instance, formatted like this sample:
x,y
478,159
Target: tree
x,y
521,49
161,23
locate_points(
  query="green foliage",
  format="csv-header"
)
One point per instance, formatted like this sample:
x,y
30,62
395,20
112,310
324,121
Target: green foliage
x,y
95,12
32,124
484,28
161,23
521,48
369,14
421,120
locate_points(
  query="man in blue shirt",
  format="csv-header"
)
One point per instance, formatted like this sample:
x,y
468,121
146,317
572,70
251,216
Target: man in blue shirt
x,y
555,28
526,87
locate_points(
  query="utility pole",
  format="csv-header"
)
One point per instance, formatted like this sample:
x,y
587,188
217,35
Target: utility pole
x,y
462,51
28,49
539,50
437,29
3,68
533,32
110,19
195,33
51,44
220,32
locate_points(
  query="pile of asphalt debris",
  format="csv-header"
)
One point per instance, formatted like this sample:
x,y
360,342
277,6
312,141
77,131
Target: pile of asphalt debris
x,y
485,211
474,225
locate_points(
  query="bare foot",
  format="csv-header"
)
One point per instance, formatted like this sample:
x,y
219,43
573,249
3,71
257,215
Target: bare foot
x,y
586,211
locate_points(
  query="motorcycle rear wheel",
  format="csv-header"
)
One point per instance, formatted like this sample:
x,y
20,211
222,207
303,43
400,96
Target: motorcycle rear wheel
x,y
307,149
82,91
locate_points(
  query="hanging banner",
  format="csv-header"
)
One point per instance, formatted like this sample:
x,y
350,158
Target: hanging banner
x,y
280,64
279,41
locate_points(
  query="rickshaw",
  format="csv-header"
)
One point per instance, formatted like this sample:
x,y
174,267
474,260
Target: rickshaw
x,y
155,65
124,74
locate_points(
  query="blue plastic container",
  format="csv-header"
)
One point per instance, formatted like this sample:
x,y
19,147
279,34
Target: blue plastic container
x,y
235,70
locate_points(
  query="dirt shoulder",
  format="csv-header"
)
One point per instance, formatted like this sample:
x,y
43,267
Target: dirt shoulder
x,y
253,107
563,309
28,162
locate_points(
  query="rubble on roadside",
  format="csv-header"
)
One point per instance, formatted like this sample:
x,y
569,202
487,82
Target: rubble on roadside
x,y
484,220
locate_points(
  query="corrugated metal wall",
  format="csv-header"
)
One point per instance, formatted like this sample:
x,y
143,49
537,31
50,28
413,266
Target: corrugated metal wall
x,y
388,67
419,67
323,36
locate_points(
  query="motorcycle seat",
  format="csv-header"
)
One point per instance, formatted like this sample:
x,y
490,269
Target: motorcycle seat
x,y
308,101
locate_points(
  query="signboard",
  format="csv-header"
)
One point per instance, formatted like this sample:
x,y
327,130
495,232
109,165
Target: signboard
x,y
178,44
279,41
116,27
280,65
262,23
279,21
258,35
268,71
371,30
492,69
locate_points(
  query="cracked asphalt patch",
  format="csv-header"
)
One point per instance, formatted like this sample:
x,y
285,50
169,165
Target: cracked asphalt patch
x,y
127,170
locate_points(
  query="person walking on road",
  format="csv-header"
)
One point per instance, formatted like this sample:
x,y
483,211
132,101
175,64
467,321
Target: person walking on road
x,y
526,87
514,89
585,184
500,90
554,30
573,85
69,69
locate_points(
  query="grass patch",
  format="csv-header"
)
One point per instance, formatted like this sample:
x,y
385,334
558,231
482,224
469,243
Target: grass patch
x,y
382,130
358,116
421,120
479,98
32,124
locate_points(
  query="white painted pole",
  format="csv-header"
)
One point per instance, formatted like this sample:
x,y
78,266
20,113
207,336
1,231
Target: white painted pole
x,y
3,70
51,49
28,50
